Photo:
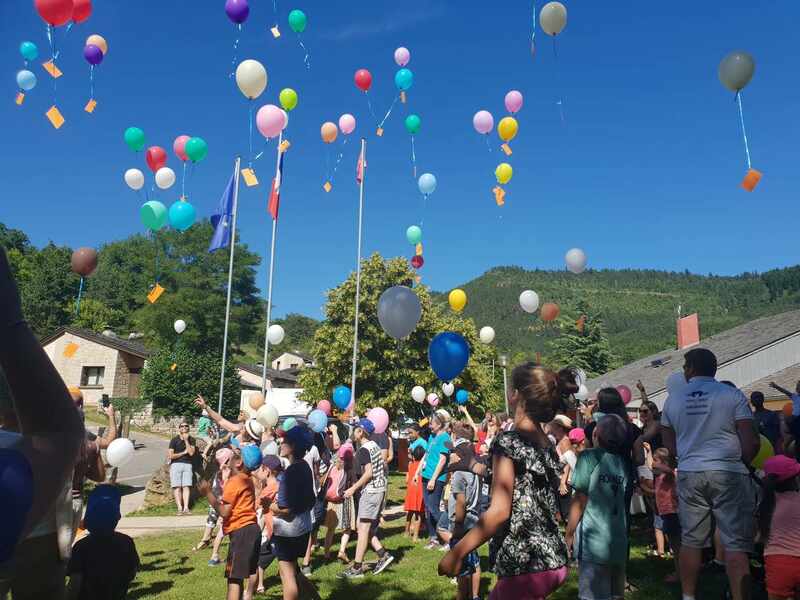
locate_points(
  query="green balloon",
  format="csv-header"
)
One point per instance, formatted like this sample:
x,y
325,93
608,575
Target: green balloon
x,y
288,98
153,214
298,21
414,235
196,149
413,123
134,137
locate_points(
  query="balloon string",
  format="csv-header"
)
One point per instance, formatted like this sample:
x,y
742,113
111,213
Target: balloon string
x,y
235,51
307,57
560,101
488,145
369,105
155,242
275,10
51,37
183,182
78,303
260,154
413,159
69,28
91,82
744,132
388,112
424,206
339,158
250,134
327,164
533,30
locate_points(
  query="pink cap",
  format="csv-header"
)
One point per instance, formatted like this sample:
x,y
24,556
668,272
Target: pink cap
x,y
577,435
223,456
781,467
345,450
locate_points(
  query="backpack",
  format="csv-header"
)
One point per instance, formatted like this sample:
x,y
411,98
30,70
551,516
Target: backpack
x,y
335,485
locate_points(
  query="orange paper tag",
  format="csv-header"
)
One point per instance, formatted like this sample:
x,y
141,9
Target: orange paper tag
x,y
327,187
379,132
419,249
284,146
507,149
90,106
276,33
579,325
403,97
417,278
20,98
249,177
155,293
423,422
499,195
54,71
173,366
751,180
55,116
70,350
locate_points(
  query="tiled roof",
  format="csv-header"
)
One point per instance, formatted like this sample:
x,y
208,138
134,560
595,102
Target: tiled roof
x,y
272,374
786,378
134,347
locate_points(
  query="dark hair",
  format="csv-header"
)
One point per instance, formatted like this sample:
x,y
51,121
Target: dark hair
x,y
757,398
539,390
665,456
766,509
417,453
652,406
461,430
702,361
729,383
612,434
609,401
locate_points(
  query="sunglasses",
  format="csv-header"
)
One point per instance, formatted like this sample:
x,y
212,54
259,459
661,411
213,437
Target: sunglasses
x,y
644,411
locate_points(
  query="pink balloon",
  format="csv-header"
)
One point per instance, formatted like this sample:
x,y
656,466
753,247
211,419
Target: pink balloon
x,y
483,121
433,399
270,120
625,392
285,119
179,146
325,407
402,56
513,101
347,123
379,418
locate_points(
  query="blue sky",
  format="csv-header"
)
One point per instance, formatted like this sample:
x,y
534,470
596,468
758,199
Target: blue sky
x,y
643,172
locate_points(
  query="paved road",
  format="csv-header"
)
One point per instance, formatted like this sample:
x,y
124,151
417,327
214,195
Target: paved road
x,y
151,453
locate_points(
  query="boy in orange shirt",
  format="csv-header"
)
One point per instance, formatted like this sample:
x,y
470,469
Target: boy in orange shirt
x,y
237,507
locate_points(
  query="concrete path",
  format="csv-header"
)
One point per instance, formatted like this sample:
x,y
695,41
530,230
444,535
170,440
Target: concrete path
x,y
138,526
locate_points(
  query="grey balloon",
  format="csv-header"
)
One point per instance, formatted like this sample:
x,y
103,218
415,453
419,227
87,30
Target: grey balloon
x,y
399,311
736,70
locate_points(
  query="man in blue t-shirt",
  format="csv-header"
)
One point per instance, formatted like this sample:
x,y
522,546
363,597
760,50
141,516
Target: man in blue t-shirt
x,y
432,472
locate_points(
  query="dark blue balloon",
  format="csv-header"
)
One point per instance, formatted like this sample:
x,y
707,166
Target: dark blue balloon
x,y
341,396
462,396
448,354
16,498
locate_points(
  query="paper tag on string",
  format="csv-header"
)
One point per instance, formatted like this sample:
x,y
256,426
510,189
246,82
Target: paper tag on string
x,y
51,68
249,177
579,325
55,117
155,293
499,195
276,33
20,98
90,106
417,279
419,249
507,149
285,144
327,187
423,422
403,97
751,180
70,350
538,358
379,133
173,366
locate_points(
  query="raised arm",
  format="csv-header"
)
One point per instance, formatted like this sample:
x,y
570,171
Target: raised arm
x,y
216,417
782,390
468,417
642,390
111,430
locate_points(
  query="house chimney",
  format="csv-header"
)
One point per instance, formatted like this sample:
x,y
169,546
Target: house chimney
x,y
688,331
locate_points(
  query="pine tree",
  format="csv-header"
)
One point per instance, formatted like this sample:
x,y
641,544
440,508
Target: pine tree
x,y
583,343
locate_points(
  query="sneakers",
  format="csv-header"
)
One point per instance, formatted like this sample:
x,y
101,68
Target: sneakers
x,y
432,545
444,548
214,562
306,570
352,573
382,563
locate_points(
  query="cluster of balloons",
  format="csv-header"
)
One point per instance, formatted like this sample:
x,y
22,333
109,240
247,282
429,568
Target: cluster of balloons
x,y
457,299
26,79
61,12
329,131
529,302
95,49
507,129
414,237
251,78
83,261
448,355
399,311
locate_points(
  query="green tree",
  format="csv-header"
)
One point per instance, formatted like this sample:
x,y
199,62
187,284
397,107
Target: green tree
x,y
388,368
95,315
47,285
300,331
586,347
172,391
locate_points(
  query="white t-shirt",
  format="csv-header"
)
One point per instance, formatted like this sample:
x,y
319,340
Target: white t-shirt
x,y
313,459
703,415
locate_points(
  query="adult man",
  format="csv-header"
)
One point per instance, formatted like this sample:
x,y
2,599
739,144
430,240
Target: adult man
x,y
767,421
795,398
372,485
709,427
180,452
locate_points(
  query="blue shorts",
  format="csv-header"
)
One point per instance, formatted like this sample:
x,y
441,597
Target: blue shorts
x,y
658,522
471,561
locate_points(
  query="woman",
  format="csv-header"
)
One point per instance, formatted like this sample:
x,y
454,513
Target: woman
x,y
291,523
527,550
414,504
489,430
431,471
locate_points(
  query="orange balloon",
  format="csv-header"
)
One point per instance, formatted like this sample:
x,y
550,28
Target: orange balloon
x,y
787,409
549,311
99,41
256,401
329,131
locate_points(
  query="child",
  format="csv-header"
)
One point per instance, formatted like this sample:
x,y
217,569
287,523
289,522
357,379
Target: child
x,y
341,511
223,457
569,456
414,503
666,492
237,507
780,527
599,513
267,475
104,563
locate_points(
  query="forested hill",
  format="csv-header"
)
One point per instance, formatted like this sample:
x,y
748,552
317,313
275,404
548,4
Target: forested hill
x,y
639,307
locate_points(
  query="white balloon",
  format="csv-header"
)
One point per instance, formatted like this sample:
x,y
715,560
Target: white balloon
x,y
486,334
553,18
576,260
529,301
582,393
448,389
134,178
251,77
180,326
165,178
580,376
267,415
275,334
119,452
418,393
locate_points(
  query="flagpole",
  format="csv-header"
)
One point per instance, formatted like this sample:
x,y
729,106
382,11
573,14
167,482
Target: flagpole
x,y
363,159
269,286
230,281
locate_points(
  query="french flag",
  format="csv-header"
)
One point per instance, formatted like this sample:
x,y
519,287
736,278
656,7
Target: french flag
x,y
275,192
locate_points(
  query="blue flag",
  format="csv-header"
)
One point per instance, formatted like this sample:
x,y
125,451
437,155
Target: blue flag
x,y
222,220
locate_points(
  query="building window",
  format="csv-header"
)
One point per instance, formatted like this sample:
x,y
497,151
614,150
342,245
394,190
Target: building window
x,y
92,376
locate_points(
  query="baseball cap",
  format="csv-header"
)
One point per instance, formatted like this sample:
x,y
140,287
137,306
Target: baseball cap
x,y
577,435
102,509
366,425
781,467
254,429
272,462
251,457
345,450
223,456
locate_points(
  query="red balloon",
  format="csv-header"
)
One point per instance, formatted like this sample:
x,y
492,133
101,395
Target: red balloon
x,y
417,261
625,392
549,311
363,79
54,12
156,158
84,261
81,10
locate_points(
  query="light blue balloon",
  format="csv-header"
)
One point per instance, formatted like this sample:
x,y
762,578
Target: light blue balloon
x,y
181,215
461,397
317,420
341,396
28,50
26,80
427,183
289,423
403,79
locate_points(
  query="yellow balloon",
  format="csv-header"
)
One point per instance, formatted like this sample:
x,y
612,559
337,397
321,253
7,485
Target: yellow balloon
x,y
458,300
503,172
329,131
507,128
99,41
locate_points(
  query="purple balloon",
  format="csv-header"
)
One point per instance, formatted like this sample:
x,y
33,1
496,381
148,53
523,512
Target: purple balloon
x,y
93,54
237,10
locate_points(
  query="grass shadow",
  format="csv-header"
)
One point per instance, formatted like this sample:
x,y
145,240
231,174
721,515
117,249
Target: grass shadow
x,y
154,589
180,570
